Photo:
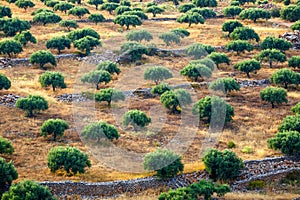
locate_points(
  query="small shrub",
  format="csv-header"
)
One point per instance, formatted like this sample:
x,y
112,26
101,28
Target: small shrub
x,y
256,185
247,150
231,144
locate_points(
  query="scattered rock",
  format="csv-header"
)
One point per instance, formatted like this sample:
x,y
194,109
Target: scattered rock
x,y
268,6
9,100
293,37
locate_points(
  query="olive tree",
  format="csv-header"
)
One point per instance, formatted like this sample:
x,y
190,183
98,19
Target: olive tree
x,y
46,18
110,67
59,43
225,85
5,11
96,3
191,18
229,26
196,71
248,66
28,190
274,95
239,46
24,4
271,55
157,74
164,162
139,36
169,38
121,9
87,44
175,100
254,14
136,118
134,49
160,88
96,77
70,159
294,61
224,165
288,142
63,7
4,82
81,33
55,79
139,14
181,32
196,50
272,42
204,61
32,104
154,10
128,20
55,127
109,7
78,11
68,24
96,18
98,130
183,8
206,13
205,3
244,33
24,37
109,95
284,77
232,11
290,123
290,13
8,173
5,146
219,58
42,57
12,26
296,109
10,47
296,25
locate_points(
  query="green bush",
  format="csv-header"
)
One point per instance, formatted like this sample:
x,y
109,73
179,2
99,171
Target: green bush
x,y
10,47
181,32
256,185
63,7
272,42
206,13
154,9
196,71
5,11
204,61
166,163
98,130
59,43
291,13
135,49
270,55
81,33
290,123
110,67
205,3
296,109
78,11
8,173
96,3
275,12
157,74
198,50
31,104
24,4
70,159
121,9
96,18
219,58
55,127
175,100
139,36
55,79
11,27
137,13
225,85
87,44
160,89
68,24
46,18
109,7
274,95
244,33
284,77
191,18
96,77
5,146
296,25
232,11
128,20
239,46
136,118
4,82
231,144
24,37
294,61
229,26
288,142
169,38
247,66
42,57
183,8
109,95
254,14
247,149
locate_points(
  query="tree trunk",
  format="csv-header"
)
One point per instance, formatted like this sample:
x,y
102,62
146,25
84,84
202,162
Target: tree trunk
x,y
127,27
270,62
273,106
109,103
53,88
54,137
97,7
248,75
97,86
154,15
285,85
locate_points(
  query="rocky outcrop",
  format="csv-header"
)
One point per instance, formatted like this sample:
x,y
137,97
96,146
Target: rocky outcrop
x,y
293,37
9,100
268,6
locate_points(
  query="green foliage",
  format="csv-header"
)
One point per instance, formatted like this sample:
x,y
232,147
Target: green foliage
x,y
113,1
247,66
284,77
42,57
139,36
183,8
24,37
274,95
11,27
239,46
166,163
160,89
154,10
5,11
59,43
191,18
109,66
175,100
63,7
31,104
256,185
229,26
204,61
136,118
71,159
121,9
46,18
96,77
4,82
55,79
222,165
109,95
5,147
128,20
254,14
213,107
55,127
225,85
8,173
68,24
290,123
98,130
291,13
196,50
24,4
244,33
288,142
294,61
296,109
81,33
205,12
242,2
125,3
231,144
169,37
51,3
10,47
205,3
296,25
139,14
96,3
219,58
29,190
135,49
181,32
196,71
272,42
286,2
247,149
157,74
232,11
109,7
234,3
271,55
275,12
87,44
78,11
11,1
261,2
